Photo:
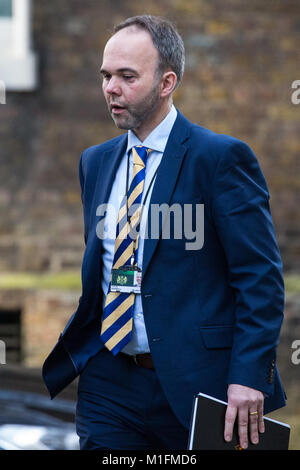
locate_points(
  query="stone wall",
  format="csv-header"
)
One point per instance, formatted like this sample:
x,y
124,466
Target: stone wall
x,y
241,60
288,363
44,314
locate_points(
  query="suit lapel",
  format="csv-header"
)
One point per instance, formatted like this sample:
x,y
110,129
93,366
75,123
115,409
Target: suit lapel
x,y
108,164
166,178
110,161
107,171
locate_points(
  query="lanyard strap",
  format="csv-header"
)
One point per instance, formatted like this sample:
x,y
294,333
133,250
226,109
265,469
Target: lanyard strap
x,y
142,203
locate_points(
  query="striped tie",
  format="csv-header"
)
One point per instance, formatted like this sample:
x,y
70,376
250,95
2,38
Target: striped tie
x,y
116,330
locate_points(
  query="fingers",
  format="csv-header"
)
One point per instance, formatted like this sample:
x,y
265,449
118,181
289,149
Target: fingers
x,y
230,417
261,423
243,426
256,421
243,420
253,425
246,406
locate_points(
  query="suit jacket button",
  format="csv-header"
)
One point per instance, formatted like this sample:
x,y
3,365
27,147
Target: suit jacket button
x,y
271,372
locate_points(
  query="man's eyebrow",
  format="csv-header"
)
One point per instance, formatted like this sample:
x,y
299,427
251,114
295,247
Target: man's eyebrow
x,y
103,71
127,69
121,70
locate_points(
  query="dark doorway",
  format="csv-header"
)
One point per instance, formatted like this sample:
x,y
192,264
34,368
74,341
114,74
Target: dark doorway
x,y
10,334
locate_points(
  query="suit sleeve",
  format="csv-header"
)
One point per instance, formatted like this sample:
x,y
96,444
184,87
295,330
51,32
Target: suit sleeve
x,y
244,224
82,186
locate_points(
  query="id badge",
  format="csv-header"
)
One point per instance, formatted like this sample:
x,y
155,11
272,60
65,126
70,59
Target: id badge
x,y
126,279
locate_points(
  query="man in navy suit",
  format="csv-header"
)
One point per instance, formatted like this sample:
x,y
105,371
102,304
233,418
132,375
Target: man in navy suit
x,y
208,314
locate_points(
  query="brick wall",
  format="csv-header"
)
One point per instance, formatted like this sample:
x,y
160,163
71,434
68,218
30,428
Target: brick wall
x,y
241,60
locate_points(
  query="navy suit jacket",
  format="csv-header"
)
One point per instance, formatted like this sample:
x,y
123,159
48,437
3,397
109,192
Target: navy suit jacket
x,y
212,315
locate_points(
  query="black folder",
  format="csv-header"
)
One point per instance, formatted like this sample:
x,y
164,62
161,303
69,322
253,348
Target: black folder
x,y
207,429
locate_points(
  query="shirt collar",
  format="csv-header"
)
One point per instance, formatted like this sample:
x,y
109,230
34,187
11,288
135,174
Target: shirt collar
x,y
157,139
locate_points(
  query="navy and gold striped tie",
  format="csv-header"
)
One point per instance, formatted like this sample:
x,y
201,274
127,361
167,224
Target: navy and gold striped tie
x,y
116,329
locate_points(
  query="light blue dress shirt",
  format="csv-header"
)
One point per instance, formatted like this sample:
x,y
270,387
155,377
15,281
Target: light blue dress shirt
x,y
157,141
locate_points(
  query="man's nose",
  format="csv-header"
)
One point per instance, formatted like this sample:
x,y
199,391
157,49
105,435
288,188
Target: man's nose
x,y
113,86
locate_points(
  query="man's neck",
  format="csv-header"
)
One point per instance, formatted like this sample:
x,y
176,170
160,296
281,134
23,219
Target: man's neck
x,y
146,128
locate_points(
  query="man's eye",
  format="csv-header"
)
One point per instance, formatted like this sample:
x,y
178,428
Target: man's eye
x,y
128,77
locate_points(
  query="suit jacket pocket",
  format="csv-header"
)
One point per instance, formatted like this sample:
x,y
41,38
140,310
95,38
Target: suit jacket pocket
x,y
217,337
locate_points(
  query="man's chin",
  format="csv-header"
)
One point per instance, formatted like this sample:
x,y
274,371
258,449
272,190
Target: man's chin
x,y
121,122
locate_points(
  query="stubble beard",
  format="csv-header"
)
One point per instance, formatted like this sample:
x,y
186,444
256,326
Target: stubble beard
x,y
137,115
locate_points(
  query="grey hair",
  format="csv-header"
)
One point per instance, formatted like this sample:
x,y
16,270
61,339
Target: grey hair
x,y
165,38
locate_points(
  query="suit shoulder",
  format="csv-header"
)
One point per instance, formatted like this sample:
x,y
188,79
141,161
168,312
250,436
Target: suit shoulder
x,y
212,140
91,155
219,147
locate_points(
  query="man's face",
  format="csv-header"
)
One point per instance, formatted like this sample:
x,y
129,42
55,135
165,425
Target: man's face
x,y
130,81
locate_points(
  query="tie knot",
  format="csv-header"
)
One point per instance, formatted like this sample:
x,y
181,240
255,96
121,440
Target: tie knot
x,y
140,155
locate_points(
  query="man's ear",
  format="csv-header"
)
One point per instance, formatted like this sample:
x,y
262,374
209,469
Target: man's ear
x,y
168,83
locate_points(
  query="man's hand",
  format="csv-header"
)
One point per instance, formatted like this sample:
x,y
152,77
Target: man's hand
x,y
243,402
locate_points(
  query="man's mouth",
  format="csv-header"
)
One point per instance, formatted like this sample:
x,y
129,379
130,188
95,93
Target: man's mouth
x,y
117,109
